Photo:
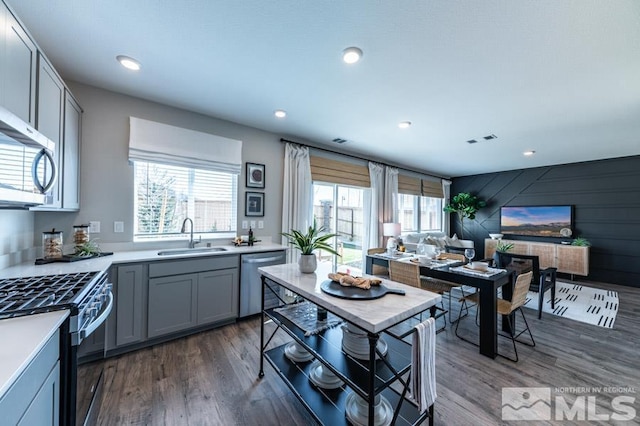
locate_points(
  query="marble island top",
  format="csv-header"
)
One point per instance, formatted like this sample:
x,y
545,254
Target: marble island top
x,y
373,316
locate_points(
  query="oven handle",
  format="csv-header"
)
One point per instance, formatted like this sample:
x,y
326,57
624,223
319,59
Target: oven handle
x,y
86,332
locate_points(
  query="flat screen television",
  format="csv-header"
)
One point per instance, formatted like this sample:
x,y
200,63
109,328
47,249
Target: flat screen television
x,y
537,221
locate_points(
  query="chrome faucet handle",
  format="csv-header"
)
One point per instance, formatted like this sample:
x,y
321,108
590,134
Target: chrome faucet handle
x,y
196,242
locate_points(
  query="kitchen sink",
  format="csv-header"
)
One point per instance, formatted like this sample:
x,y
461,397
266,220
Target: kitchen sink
x,y
191,250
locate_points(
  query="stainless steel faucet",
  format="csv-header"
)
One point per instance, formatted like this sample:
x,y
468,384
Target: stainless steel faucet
x,y
192,243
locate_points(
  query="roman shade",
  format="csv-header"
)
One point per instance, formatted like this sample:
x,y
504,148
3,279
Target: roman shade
x,y
432,188
409,185
161,143
338,172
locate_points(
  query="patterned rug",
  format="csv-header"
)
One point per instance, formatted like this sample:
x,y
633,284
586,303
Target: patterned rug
x,y
580,303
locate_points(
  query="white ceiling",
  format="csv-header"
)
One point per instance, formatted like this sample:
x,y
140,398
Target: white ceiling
x,y
561,77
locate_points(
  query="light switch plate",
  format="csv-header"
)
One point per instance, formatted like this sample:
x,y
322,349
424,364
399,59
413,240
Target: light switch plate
x,y
245,224
94,227
261,224
253,224
118,226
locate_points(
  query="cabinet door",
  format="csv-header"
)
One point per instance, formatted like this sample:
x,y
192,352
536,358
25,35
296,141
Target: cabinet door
x,y
172,304
18,69
217,295
45,407
489,248
546,254
70,174
129,305
573,260
49,121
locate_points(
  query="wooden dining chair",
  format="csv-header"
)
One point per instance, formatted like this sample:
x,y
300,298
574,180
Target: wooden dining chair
x,y
508,307
409,273
378,269
543,279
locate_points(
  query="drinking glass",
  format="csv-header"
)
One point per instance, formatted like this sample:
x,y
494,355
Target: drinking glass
x,y
469,254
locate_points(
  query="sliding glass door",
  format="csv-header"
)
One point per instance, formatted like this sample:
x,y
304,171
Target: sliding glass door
x,y
340,209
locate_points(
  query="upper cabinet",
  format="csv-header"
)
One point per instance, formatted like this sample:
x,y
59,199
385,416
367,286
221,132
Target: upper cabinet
x,y
31,89
18,56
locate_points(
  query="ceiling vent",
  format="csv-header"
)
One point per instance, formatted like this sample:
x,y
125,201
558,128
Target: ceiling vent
x,y
472,141
339,140
489,137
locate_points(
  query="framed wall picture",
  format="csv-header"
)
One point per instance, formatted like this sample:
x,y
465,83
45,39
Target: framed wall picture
x,y
255,175
254,204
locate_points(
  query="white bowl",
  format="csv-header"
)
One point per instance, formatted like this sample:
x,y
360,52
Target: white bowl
x,y
496,236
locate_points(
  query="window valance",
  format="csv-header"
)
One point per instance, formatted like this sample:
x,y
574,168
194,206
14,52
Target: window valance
x,y
338,172
432,188
161,143
409,185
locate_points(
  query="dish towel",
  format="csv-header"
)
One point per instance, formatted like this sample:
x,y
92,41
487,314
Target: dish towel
x,y
423,365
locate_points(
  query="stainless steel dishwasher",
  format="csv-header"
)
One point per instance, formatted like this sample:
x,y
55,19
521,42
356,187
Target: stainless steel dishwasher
x,y
250,283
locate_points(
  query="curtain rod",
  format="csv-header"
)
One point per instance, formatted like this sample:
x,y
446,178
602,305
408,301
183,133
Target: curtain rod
x,y
283,140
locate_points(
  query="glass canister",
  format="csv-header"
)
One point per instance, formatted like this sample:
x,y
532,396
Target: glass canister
x,y
80,235
52,244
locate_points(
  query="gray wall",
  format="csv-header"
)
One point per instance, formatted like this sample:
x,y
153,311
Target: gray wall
x,y
107,177
16,237
606,199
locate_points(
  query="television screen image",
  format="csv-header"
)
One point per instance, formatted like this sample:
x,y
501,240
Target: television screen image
x,y
538,221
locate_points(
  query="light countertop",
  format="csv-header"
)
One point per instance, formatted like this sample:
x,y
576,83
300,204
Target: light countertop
x,y
29,269
371,315
20,341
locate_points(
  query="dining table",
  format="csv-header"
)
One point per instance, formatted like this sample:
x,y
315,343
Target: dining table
x,y
487,284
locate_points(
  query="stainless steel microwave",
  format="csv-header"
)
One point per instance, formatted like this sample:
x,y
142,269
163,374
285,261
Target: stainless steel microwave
x,y
27,165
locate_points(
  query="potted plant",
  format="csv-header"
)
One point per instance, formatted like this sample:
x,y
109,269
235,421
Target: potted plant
x,y
502,247
307,243
466,206
582,242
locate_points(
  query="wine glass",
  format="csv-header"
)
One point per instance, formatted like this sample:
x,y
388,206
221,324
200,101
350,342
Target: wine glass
x,y
469,254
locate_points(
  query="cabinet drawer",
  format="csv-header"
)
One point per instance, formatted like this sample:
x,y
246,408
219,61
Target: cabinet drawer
x,y
178,267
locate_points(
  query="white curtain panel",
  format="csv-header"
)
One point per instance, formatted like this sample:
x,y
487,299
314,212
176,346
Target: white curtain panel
x,y
390,213
446,190
374,208
297,194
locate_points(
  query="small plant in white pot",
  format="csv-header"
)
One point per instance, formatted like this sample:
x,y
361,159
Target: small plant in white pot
x,y
309,242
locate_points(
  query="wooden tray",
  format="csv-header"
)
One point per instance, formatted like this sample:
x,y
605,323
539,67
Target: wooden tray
x,y
375,292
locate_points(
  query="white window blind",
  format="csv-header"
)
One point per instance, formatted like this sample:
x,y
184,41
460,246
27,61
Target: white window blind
x,y
164,144
166,195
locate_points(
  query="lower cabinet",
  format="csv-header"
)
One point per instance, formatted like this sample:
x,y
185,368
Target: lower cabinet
x,y
158,299
34,398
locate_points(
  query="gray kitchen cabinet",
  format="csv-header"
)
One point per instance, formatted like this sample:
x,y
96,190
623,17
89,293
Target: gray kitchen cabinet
x,y
18,57
217,296
70,174
129,289
34,398
172,304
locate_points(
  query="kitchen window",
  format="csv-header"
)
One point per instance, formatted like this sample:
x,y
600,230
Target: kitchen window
x,y
167,194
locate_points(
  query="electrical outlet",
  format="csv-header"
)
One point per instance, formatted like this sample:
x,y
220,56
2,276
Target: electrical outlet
x,y
118,226
245,224
261,224
94,227
253,224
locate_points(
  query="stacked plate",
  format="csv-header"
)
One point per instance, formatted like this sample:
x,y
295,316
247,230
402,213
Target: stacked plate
x,y
357,410
297,353
356,343
322,377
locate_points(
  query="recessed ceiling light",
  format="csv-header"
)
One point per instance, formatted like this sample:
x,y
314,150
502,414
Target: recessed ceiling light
x,y
528,153
280,113
351,55
404,124
128,62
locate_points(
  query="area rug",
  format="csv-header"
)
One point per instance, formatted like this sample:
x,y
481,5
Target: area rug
x,y
580,303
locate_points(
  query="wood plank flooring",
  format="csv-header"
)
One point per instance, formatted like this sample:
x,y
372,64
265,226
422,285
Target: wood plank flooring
x,y
211,378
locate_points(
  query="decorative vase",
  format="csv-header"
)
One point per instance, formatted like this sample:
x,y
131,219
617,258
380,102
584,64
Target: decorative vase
x,y
307,263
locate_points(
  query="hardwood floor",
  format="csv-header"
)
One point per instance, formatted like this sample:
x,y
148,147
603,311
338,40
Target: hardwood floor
x,y
211,378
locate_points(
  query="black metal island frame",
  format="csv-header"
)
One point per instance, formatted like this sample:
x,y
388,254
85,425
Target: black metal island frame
x,y
488,287
368,378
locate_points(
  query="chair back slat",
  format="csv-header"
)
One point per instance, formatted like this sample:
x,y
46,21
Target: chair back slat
x,y
404,272
520,290
505,260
